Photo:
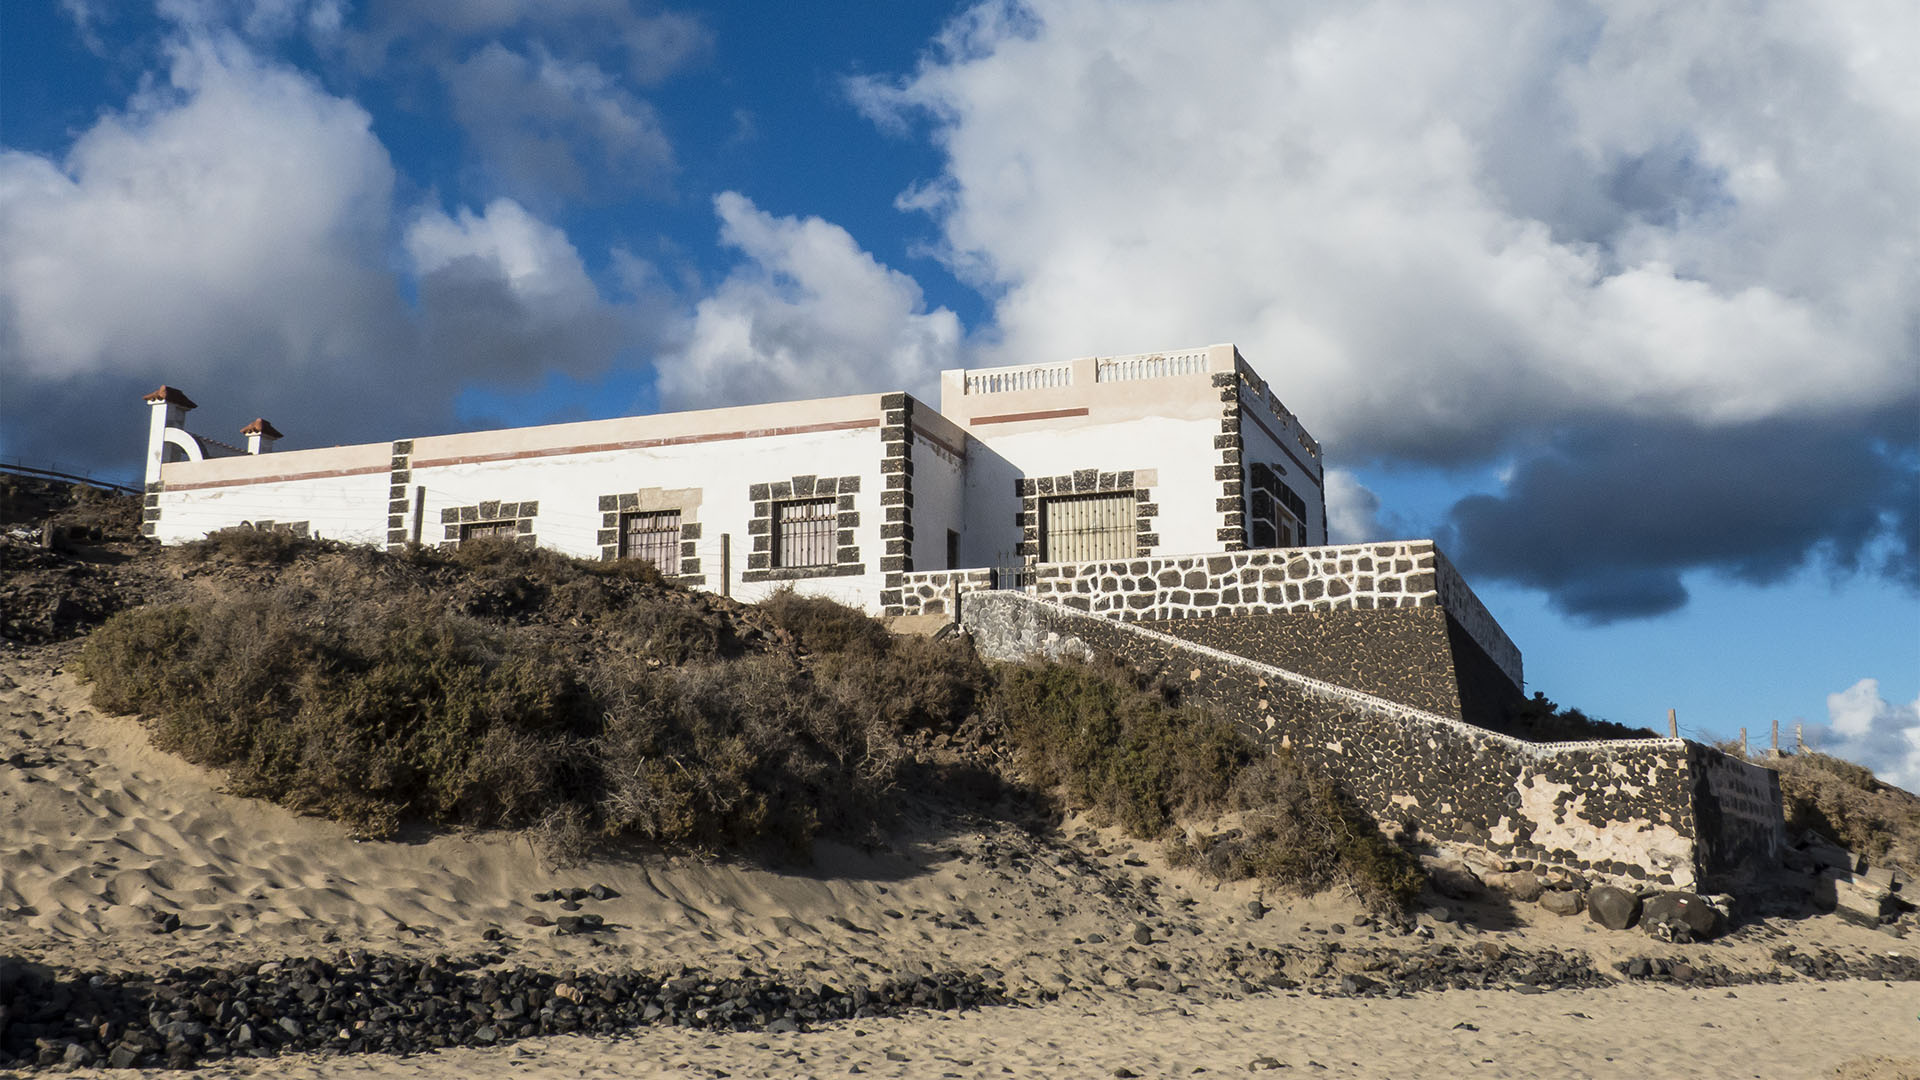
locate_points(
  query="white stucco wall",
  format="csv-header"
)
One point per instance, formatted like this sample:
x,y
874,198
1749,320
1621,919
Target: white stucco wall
x,y
347,508
709,462
1176,451
939,490
568,488
1156,416
340,491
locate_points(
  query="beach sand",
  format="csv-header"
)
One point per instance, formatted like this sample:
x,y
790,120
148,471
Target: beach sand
x,y
103,832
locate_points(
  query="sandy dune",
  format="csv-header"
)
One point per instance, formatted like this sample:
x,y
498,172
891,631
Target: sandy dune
x,y
102,833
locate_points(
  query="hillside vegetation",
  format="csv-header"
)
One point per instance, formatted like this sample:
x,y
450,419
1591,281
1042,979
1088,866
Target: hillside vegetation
x,y
505,686
1847,804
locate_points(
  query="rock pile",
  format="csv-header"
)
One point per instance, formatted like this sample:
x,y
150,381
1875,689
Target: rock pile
x,y
1334,970
386,1004
1824,965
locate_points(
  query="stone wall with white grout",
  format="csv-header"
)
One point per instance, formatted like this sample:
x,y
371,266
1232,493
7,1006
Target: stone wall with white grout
x,y
1358,577
1647,810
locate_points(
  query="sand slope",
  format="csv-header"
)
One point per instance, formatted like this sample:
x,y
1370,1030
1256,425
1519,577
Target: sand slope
x,y
101,833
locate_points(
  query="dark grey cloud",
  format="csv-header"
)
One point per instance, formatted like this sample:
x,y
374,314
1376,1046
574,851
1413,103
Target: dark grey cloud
x,y
1608,516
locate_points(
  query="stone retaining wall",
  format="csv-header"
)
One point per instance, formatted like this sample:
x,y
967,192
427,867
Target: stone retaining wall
x,y
1412,656
1627,809
1355,577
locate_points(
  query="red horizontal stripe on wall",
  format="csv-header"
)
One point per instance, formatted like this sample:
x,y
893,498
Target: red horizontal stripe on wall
x,y
641,444
1013,417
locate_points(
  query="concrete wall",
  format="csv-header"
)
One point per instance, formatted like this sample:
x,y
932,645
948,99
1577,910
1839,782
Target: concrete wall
x,y
1624,809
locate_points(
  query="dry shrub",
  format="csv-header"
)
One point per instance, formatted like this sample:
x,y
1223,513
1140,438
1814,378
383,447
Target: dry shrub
x,y
1116,748
114,515
910,684
825,627
1300,832
247,545
412,711
666,630
1540,719
498,684
1847,804
747,754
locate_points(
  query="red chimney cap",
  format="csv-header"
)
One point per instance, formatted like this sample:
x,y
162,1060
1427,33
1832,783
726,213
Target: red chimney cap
x,y
172,397
261,427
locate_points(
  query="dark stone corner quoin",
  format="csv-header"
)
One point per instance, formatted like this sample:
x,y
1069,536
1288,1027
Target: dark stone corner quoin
x,y
1660,811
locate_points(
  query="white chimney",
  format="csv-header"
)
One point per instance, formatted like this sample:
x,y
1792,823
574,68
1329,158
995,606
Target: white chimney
x,y
260,436
169,411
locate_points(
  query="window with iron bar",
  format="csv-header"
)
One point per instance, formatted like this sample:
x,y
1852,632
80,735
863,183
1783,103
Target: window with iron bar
x,y
1088,528
803,532
474,530
652,536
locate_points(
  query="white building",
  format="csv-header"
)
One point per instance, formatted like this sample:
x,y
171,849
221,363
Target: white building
x,y
1088,460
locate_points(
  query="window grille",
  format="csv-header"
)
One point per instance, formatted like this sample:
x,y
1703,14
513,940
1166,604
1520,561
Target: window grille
x,y
652,536
1088,528
803,533
474,530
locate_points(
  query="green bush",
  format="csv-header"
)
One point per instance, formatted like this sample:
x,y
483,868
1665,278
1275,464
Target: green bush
x,y
1117,749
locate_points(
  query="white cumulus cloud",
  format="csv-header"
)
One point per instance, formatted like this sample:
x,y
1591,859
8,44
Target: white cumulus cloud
x,y
505,294
1882,735
1425,223
232,231
236,213
807,313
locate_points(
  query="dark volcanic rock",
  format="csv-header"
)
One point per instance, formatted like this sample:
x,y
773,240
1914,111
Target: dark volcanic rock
x,y
1679,917
1613,908
182,1018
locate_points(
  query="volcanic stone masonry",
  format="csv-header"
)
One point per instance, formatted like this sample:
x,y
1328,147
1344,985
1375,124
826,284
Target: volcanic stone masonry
x,y
1413,656
1660,810
1357,577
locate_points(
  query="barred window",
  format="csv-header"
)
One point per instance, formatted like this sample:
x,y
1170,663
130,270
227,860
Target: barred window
x,y
803,533
474,530
652,536
1088,528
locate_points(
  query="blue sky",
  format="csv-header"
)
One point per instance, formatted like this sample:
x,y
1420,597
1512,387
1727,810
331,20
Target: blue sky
x,y
1620,305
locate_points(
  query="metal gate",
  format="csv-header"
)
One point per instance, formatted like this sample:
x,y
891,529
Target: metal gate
x,y
1087,528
